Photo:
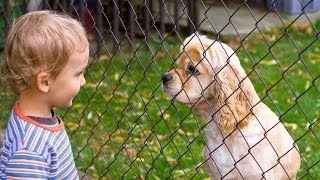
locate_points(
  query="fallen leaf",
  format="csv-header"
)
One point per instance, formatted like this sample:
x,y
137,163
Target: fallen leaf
x,y
293,126
271,62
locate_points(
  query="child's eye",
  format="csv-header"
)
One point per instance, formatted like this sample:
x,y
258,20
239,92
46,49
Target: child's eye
x,y
80,73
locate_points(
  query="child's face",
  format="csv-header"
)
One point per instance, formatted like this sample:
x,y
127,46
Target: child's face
x,y
67,84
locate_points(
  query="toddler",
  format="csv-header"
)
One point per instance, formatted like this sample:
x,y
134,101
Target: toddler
x,y
45,56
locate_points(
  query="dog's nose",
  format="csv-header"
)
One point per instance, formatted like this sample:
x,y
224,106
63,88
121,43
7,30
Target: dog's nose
x,y
166,77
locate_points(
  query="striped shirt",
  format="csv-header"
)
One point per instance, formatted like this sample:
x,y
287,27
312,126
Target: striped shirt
x,y
35,151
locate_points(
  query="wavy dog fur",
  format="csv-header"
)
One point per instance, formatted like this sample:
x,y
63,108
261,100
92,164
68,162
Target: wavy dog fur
x,y
245,139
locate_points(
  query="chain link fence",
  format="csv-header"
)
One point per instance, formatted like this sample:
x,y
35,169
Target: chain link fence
x,y
122,125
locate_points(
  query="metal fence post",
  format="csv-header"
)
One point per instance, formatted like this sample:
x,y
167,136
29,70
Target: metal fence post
x,y
147,17
161,17
192,13
132,18
176,17
115,24
99,29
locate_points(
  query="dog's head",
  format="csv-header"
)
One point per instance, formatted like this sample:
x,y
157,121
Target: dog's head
x,y
209,77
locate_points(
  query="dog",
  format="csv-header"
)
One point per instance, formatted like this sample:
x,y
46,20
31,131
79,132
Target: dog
x,y
244,138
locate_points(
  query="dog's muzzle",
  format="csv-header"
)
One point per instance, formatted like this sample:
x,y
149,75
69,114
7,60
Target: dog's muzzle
x,y
166,78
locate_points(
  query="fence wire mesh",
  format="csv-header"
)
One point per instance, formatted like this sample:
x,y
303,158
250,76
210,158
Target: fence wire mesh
x,y
122,125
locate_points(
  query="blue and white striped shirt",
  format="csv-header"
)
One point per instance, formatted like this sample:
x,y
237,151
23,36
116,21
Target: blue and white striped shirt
x,y
34,151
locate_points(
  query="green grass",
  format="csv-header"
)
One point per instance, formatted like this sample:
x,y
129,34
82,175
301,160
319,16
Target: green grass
x,y
123,125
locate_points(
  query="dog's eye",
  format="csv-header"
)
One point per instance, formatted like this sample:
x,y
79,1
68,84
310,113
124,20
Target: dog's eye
x,y
192,70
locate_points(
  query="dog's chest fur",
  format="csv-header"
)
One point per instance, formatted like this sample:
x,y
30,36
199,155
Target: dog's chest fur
x,y
229,156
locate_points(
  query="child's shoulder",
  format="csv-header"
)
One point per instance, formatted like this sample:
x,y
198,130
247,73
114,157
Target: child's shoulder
x,y
28,133
21,134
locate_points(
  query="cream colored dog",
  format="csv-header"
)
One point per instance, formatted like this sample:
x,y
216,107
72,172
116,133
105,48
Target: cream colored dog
x,y
245,139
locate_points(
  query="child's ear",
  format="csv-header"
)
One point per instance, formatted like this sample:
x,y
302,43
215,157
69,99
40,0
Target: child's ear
x,y
43,82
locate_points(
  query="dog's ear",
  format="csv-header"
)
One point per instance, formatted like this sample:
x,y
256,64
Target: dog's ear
x,y
233,94
234,100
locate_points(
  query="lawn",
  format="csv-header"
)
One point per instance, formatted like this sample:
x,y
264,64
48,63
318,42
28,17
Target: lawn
x,y
123,125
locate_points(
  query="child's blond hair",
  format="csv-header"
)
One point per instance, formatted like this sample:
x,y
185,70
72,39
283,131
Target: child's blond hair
x,y
40,41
